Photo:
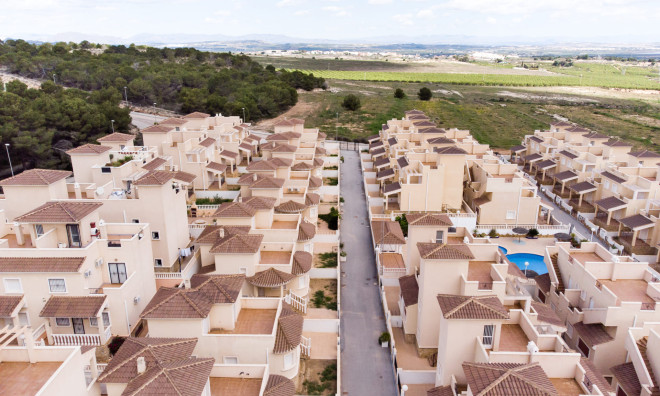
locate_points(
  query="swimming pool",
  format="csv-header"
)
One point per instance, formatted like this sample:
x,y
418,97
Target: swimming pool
x,y
535,261
503,249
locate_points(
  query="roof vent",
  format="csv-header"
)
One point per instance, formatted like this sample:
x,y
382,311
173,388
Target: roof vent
x,y
141,365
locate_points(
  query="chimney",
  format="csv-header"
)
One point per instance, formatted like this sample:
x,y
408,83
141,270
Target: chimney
x,y
141,365
221,232
186,284
254,177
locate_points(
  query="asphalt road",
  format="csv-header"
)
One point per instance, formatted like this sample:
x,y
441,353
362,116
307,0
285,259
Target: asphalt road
x,y
143,120
366,368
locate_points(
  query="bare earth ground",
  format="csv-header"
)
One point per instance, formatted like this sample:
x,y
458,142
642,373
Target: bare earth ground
x,y
300,110
310,370
614,93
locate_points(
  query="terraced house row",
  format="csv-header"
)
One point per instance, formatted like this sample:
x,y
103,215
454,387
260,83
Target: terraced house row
x,y
481,290
183,266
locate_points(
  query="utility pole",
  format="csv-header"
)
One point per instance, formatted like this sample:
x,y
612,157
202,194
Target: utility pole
x,y
9,158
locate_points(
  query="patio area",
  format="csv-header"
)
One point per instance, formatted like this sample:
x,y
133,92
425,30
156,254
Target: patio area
x,y
251,321
235,386
22,378
629,290
407,357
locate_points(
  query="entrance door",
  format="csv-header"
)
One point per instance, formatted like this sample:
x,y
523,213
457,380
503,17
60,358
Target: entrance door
x,y
78,326
73,232
117,272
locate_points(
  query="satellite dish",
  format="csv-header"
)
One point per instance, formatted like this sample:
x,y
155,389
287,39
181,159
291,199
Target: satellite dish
x,y
100,191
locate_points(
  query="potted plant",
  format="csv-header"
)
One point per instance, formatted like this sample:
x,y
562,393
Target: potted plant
x,y
533,233
342,256
384,339
493,233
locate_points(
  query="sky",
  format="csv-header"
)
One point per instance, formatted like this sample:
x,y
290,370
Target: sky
x,y
577,20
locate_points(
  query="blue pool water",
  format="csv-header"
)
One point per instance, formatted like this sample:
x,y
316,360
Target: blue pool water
x,y
503,249
535,261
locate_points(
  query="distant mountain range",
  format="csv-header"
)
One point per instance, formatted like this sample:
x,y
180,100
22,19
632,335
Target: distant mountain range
x,y
445,44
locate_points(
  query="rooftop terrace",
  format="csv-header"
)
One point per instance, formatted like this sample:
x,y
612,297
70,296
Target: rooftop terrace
x,y
235,386
22,378
251,321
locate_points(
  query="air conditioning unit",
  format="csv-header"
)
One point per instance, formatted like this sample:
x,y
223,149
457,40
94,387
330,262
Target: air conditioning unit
x,y
136,299
99,262
88,273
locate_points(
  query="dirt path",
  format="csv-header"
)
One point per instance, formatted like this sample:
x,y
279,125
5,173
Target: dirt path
x,y
300,110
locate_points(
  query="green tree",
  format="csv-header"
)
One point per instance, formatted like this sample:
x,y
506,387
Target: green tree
x,y
399,94
351,102
424,94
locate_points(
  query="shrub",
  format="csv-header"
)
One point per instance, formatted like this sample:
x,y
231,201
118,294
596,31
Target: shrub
x,y
533,233
331,218
333,181
384,337
351,102
115,344
403,222
328,260
493,233
399,94
424,94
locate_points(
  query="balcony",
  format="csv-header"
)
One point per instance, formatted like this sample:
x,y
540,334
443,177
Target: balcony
x,y
601,221
82,339
582,207
641,247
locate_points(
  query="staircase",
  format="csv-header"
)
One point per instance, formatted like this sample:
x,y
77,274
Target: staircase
x,y
641,345
555,265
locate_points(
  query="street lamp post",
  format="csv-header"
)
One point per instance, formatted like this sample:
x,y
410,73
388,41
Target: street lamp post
x,y
337,127
9,158
112,123
154,112
243,113
54,82
126,96
526,265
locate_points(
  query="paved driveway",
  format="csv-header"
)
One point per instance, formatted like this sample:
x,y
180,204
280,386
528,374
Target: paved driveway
x,y
366,368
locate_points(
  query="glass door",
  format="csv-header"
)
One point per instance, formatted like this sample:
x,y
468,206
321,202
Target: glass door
x,y
73,232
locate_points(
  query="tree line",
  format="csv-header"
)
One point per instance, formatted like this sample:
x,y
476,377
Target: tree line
x,y
40,123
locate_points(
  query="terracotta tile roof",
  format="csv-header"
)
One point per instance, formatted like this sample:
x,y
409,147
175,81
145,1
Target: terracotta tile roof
x,y
322,136
229,154
644,154
318,162
281,162
627,378
612,176
260,203
157,129
196,114
89,149
384,174
301,166
429,219
505,379
517,149
173,121
402,161
255,180
284,148
219,289
410,112
161,177
565,176
306,231
216,166
290,207
372,138
543,282
175,378
451,150
278,385
536,139
583,187
282,136
391,188
59,212
40,264
432,130
245,146
289,122
122,368
472,307
417,117
595,135
380,162
212,234
302,263
320,151
235,209
592,334
116,137
176,303
208,142
547,164
238,244
440,391
423,123
270,278
315,182
409,289
636,221
561,124
532,157
439,251
377,152
610,203
289,330
388,232
154,164
8,304
312,199
73,307
36,177
617,143
547,314
595,376
265,165
578,129
375,145
441,140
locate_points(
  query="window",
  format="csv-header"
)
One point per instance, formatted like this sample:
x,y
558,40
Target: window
x,y
606,183
158,262
117,272
487,339
13,285
57,285
136,221
23,319
563,161
452,230
583,347
230,360
106,169
510,214
62,322
615,188
288,361
73,232
38,230
155,235
439,236
106,320
541,296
